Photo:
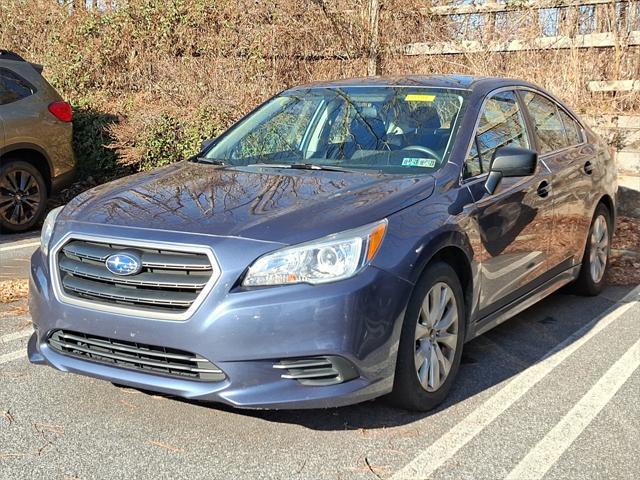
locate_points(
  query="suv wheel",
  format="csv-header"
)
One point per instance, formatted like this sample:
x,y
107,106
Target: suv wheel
x,y
431,340
23,196
596,254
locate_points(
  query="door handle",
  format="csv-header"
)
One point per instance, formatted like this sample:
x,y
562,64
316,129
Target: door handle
x,y
588,168
543,189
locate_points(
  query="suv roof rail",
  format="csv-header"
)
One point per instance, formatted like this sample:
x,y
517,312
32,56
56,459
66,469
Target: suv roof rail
x,y
9,55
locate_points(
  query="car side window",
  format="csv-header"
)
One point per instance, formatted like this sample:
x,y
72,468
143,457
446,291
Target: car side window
x,y
572,129
473,166
501,124
547,122
13,87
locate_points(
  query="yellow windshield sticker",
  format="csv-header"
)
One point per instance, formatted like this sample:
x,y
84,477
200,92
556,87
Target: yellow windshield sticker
x,y
419,97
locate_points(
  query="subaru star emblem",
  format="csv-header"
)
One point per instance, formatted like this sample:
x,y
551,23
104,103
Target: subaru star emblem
x,y
124,263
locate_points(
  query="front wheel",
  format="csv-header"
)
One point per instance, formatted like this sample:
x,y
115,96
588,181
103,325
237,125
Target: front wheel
x,y
431,340
596,255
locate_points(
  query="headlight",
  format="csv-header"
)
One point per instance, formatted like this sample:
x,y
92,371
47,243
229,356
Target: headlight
x,y
47,229
328,259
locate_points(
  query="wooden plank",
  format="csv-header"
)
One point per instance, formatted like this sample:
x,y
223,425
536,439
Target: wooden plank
x,y
614,86
494,7
630,122
590,40
632,141
628,162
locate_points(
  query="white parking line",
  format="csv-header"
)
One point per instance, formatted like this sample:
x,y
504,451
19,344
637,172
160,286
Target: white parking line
x,y
18,247
547,452
8,357
14,336
451,442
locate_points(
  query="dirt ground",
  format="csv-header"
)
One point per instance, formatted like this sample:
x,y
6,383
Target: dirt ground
x,y
624,268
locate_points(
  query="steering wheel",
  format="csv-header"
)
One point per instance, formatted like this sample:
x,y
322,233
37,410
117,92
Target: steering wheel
x,y
427,150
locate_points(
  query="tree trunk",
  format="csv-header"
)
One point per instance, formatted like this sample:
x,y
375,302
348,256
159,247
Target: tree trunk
x,y
373,62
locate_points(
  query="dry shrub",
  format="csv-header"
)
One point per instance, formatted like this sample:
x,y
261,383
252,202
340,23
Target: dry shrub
x,y
13,290
151,79
566,72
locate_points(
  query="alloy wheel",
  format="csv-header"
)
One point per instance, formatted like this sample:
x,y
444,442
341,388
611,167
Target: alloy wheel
x,y
599,250
436,336
20,197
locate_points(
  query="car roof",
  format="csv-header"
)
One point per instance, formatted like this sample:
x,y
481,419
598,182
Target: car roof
x,y
453,81
11,57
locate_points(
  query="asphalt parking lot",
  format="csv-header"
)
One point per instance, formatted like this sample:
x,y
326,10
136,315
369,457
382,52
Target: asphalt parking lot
x,y
552,393
15,253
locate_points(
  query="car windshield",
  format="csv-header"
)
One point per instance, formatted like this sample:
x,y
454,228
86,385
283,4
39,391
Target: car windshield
x,y
403,130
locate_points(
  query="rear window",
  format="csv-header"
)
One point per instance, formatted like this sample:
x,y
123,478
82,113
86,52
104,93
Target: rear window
x,y
572,129
13,87
547,123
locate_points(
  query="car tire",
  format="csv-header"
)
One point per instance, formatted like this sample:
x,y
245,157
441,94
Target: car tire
x,y
596,256
23,196
418,386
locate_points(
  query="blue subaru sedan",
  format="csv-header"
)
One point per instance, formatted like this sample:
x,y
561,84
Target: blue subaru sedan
x,y
340,243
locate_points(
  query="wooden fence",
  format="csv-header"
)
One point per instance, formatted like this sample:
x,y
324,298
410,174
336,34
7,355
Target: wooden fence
x,y
623,132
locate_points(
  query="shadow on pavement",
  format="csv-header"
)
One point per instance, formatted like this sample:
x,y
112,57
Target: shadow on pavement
x,y
488,360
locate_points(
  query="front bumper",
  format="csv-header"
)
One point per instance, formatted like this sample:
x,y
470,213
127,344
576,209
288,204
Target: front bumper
x,y
245,333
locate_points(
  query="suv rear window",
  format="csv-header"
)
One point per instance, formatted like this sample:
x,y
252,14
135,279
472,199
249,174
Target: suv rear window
x,y
13,87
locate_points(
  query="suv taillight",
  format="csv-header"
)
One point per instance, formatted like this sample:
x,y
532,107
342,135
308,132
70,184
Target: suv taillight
x,y
62,111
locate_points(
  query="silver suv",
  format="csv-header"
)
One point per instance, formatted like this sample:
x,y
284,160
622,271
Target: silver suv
x,y
36,153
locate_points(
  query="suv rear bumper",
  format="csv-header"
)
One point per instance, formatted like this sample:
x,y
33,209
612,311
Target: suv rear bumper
x,y
64,180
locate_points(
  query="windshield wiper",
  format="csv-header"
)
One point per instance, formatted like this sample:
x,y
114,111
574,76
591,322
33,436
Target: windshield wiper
x,y
315,166
306,166
209,161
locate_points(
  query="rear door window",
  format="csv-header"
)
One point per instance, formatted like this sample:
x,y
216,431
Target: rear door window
x,y
571,128
13,87
547,123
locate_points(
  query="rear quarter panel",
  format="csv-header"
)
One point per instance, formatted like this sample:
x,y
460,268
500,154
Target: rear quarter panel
x,y
29,124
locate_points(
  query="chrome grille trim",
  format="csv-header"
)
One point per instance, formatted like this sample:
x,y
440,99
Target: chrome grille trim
x,y
165,293
142,279
150,260
317,371
138,296
134,356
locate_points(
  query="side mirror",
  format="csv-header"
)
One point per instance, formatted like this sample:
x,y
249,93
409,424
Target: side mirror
x,y
207,143
510,162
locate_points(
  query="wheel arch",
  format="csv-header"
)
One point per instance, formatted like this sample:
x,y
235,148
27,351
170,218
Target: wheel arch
x,y
32,154
454,248
608,202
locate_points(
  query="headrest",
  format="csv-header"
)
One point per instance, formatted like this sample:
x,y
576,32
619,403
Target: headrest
x,y
421,117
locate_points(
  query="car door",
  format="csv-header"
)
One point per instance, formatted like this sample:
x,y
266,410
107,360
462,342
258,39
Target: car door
x,y
562,148
515,222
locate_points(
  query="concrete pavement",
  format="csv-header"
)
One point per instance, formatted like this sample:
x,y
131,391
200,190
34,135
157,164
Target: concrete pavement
x,y
549,394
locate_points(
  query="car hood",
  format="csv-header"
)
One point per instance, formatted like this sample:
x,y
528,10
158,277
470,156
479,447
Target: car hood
x,y
280,205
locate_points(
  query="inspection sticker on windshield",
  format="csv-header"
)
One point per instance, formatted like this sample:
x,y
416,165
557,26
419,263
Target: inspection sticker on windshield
x,y
419,97
418,162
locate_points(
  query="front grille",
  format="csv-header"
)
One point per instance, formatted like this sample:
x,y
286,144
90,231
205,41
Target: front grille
x,y
318,371
169,282
135,356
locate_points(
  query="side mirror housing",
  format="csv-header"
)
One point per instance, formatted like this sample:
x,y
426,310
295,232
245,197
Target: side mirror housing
x,y
510,162
207,143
